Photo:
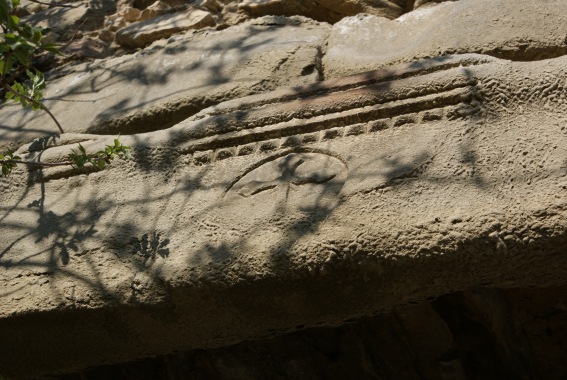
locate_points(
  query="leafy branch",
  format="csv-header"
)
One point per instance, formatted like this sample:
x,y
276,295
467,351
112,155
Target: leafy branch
x,y
20,43
9,162
101,158
53,4
79,159
29,96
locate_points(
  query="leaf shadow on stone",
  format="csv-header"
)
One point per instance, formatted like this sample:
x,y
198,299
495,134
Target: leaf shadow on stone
x,y
153,243
150,114
61,235
150,246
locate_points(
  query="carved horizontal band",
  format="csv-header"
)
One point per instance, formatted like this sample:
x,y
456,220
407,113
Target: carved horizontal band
x,y
355,105
332,120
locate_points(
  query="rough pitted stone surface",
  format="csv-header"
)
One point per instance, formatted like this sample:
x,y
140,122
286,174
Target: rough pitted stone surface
x,y
512,30
326,202
129,14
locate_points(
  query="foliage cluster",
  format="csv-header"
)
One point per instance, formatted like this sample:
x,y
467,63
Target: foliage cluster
x,y
101,158
20,44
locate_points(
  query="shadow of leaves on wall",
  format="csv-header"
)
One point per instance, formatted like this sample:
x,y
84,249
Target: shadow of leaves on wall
x,y
150,246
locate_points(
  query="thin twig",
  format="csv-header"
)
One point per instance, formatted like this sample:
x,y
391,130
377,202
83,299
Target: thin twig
x,y
54,5
39,104
74,34
36,163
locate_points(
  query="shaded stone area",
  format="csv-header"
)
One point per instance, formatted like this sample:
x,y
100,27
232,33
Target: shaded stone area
x,y
476,334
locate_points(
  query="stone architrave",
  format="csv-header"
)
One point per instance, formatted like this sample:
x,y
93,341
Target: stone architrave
x,y
305,206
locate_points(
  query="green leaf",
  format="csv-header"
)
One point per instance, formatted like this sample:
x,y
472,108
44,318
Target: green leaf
x,y
5,170
23,56
4,12
37,34
52,48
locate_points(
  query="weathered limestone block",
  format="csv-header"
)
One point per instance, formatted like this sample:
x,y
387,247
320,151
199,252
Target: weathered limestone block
x,y
517,30
88,15
210,5
143,33
163,85
106,35
325,10
305,206
157,9
129,14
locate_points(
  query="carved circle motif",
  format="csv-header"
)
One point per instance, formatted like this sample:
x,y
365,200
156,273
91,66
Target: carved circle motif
x,y
309,173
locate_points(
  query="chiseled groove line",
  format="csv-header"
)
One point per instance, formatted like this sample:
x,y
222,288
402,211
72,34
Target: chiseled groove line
x,y
374,77
320,106
340,119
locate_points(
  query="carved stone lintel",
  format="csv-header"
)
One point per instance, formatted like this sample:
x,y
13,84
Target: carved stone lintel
x,y
302,206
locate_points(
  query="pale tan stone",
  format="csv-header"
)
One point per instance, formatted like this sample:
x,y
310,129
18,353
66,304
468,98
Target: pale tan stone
x,y
306,204
156,9
518,30
106,35
130,14
145,32
211,5
115,23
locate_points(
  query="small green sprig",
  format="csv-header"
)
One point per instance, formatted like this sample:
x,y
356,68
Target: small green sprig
x,y
9,162
20,45
101,158
28,95
79,159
